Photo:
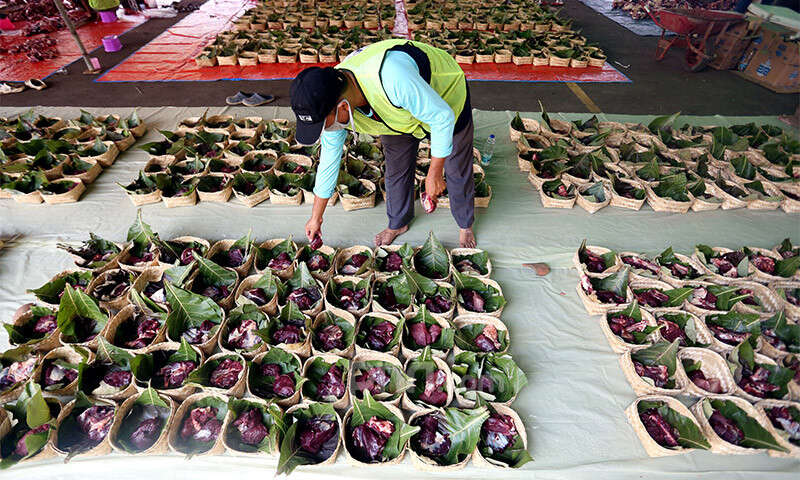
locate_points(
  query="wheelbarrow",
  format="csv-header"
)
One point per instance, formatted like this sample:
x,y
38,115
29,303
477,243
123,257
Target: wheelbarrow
x,y
693,29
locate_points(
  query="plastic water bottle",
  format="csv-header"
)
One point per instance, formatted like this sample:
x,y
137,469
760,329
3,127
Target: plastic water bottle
x,y
488,150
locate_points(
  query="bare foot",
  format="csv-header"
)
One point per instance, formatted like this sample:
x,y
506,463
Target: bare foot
x,y
387,236
466,238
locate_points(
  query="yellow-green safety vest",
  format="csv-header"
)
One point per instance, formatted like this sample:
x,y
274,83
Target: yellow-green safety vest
x,y
447,79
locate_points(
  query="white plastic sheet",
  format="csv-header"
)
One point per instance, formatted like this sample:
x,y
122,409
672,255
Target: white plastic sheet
x,y
573,406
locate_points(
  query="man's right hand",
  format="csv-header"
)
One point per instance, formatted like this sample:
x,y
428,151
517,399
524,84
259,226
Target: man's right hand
x,y
314,228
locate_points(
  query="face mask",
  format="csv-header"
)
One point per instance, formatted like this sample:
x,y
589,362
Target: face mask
x,y
336,125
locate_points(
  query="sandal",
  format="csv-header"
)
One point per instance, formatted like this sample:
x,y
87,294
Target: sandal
x,y
9,87
36,84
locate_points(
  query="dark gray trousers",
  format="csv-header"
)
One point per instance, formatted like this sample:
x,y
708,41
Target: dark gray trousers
x,y
400,152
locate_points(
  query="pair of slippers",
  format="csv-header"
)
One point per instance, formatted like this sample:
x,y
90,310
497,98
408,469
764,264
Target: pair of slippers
x,y
249,99
16,87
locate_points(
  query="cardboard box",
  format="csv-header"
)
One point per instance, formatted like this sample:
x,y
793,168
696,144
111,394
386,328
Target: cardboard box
x,y
775,65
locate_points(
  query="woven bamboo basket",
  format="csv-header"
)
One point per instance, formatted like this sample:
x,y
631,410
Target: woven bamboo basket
x,y
227,244
502,56
330,359
762,277
208,346
160,446
597,62
350,202
185,239
762,406
531,126
642,282
271,308
594,307
729,202
13,391
286,273
792,311
600,251
762,204
330,460
366,356
282,402
426,464
718,445
144,199
395,320
618,200
411,405
89,176
102,448
387,249
739,392
106,159
320,318
465,59
790,205
484,58
461,310
473,319
704,335
652,447
279,198
337,279
556,61
409,353
712,365
216,448
180,200
324,276
667,276
716,345
221,196
308,55
661,204
287,58
471,251
253,199
344,254
68,354
34,197
123,316
715,277
22,316
769,301
267,56
618,344
641,387
577,63
589,206
227,302
206,61
550,202
91,344
357,463
377,307
116,303
479,460
238,389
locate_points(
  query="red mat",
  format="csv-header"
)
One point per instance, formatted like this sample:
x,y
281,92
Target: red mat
x,y
170,57
18,68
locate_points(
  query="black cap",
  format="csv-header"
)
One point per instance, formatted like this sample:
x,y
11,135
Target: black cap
x,y
315,92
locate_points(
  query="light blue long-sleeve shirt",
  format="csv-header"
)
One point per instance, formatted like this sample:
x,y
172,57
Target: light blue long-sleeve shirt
x,y
407,89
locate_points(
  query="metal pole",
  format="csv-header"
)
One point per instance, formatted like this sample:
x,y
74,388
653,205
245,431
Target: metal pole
x,y
71,28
